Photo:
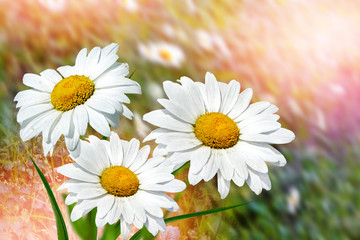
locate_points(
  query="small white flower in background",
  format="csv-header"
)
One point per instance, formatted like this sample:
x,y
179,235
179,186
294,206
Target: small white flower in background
x,y
119,179
93,91
293,200
155,90
142,129
130,5
53,5
214,127
163,53
211,42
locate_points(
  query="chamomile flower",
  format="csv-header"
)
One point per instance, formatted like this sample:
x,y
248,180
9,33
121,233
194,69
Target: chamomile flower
x,y
163,53
214,127
119,179
63,102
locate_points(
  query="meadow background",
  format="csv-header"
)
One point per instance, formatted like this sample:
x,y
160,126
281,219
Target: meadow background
x,y
303,56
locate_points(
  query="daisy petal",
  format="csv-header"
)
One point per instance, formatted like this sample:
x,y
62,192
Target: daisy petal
x,y
74,171
212,93
166,120
223,186
280,136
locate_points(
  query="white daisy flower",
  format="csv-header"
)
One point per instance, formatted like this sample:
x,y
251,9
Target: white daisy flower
x,y
119,179
92,91
163,53
214,127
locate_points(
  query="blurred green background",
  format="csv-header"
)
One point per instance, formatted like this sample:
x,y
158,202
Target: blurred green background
x,y
302,56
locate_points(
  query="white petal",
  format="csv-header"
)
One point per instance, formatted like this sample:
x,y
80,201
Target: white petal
x,y
92,60
109,50
31,111
271,109
100,151
71,199
239,181
38,82
127,113
252,110
280,136
197,104
238,160
141,158
150,163
254,182
242,103
195,178
74,171
177,110
51,75
98,122
156,133
30,97
178,141
112,81
72,142
212,93
103,66
112,119
223,186
265,181
178,159
115,212
230,97
170,187
163,118
116,150
100,105
211,168
80,119
261,127
256,119
36,125
131,152
125,229
88,159
80,62
225,166
66,71
160,150
82,208
199,158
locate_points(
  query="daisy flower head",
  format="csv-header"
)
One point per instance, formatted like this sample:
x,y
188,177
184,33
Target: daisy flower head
x,y
119,179
163,53
63,102
219,131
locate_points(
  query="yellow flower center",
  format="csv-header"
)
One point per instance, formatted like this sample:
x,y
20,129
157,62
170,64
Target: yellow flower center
x,y
71,92
119,181
216,130
165,54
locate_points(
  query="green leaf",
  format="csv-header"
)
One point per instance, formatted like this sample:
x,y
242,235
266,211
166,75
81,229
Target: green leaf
x,y
196,214
111,232
60,224
132,74
144,234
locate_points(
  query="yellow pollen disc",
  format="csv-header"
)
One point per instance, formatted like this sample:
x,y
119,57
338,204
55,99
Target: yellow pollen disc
x,y
119,181
216,130
165,54
71,92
